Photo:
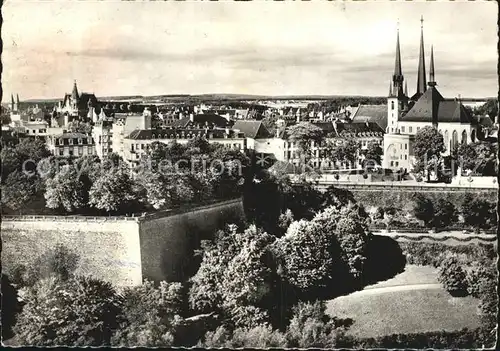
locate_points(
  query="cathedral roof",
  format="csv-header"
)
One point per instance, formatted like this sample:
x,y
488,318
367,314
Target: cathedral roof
x,y
371,113
252,129
431,107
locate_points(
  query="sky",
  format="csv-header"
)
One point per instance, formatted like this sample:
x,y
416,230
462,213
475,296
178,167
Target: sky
x,y
259,47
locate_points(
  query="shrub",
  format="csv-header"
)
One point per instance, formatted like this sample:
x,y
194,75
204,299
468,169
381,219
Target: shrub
x,y
10,307
445,214
430,254
423,209
479,276
77,312
150,315
311,327
452,276
461,339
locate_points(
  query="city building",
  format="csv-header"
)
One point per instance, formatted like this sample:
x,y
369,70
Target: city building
x,y
76,105
138,143
427,107
102,133
71,145
124,124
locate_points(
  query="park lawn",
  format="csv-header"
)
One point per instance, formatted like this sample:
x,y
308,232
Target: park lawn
x,y
412,275
411,302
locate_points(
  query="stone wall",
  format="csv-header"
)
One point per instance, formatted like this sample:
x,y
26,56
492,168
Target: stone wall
x,y
108,249
167,243
120,250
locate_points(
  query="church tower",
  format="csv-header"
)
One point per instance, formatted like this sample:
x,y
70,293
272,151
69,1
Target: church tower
x,y
74,98
13,106
397,100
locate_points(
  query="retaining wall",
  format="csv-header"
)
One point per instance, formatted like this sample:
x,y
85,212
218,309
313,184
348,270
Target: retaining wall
x,y
121,250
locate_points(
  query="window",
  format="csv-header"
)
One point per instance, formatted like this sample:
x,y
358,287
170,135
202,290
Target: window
x,y
71,152
418,128
403,129
392,105
132,147
142,146
71,141
410,129
406,146
61,151
401,146
392,163
406,157
397,163
80,141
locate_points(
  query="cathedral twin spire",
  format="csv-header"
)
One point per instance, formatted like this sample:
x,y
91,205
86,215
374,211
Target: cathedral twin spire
x,y
396,88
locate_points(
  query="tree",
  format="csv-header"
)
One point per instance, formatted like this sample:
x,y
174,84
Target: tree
x,y
112,191
445,214
479,157
66,190
311,327
304,133
478,213
372,154
20,189
343,151
79,127
77,312
423,209
306,254
10,307
428,148
11,161
452,276
150,315
490,108
337,197
243,264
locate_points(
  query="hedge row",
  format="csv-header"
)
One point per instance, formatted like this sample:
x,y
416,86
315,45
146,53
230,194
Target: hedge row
x,y
430,254
443,238
460,339
404,199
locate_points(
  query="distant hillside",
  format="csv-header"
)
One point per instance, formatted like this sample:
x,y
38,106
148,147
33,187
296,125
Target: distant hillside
x,y
212,97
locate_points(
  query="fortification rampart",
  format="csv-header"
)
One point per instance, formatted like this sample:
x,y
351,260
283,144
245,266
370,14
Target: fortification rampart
x,y
121,250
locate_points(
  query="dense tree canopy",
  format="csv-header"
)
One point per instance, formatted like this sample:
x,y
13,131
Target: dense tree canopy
x,y
479,157
304,133
428,148
344,151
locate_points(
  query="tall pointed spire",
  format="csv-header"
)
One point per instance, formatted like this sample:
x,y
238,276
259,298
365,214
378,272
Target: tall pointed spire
x,y
421,83
397,77
397,63
432,79
74,94
17,98
390,88
12,100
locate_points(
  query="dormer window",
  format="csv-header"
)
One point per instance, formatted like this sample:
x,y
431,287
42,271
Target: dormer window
x,y
80,141
71,141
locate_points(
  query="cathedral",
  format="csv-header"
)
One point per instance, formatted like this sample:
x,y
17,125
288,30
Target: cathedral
x,y
407,115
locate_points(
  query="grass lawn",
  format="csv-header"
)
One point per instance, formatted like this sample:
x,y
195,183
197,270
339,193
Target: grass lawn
x,y
411,302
